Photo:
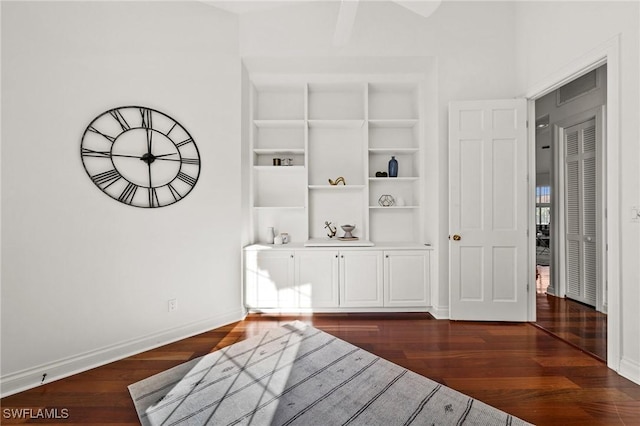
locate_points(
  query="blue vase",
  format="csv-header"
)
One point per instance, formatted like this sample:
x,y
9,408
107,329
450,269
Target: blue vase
x,y
393,167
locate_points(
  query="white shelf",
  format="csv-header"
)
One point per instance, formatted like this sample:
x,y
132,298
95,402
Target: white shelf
x,y
337,242
337,187
336,124
394,179
279,168
394,123
393,207
279,123
268,151
393,151
279,207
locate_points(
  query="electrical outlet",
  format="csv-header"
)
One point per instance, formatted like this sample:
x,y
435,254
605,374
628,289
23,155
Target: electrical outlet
x,y
173,305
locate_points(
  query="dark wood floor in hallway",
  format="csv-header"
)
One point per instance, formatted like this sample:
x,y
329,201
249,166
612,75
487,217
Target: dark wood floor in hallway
x,y
517,368
574,322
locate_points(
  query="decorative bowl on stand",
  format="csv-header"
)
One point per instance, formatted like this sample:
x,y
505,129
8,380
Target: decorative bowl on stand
x,y
347,232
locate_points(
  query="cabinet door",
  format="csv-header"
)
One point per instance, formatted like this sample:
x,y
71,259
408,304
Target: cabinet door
x,y
317,278
269,279
361,278
406,278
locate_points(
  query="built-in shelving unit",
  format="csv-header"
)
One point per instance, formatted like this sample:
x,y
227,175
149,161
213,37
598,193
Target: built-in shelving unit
x,y
328,129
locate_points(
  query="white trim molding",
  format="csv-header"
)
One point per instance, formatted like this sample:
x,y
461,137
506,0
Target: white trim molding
x,y
607,53
630,369
441,312
30,378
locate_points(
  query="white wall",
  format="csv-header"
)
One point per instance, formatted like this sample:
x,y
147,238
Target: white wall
x,y
472,43
84,278
553,35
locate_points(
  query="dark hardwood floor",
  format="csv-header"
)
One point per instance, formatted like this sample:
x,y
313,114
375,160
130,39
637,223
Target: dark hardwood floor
x,y
577,324
517,368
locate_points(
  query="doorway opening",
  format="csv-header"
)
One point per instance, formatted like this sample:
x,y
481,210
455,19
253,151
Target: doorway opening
x,y
571,294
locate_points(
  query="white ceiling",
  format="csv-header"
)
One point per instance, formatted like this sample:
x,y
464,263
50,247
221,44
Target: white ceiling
x,y
423,8
240,7
346,15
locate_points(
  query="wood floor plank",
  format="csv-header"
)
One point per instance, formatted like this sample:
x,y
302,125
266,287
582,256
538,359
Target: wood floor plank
x,y
566,360
517,368
508,383
580,325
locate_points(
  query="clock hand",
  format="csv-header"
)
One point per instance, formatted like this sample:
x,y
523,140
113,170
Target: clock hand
x,y
139,157
149,166
149,140
169,159
147,158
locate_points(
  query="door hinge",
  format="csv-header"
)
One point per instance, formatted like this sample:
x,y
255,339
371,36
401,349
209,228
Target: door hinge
x,y
527,287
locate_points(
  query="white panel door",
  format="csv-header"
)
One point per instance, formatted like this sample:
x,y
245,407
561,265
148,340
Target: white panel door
x,y
488,210
581,217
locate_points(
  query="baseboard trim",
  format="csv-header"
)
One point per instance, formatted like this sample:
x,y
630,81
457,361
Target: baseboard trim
x,y
297,311
630,370
33,377
441,313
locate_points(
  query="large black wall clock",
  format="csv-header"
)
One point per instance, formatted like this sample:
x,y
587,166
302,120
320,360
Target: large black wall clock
x,y
140,156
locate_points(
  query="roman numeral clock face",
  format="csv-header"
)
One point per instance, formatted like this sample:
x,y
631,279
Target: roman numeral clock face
x,y
140,157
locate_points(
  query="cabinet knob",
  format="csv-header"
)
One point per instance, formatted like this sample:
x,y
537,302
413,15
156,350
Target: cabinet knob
x,y
387,256
292,256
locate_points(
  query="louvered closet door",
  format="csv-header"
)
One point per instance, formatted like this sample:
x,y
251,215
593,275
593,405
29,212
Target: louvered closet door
x,y
580,217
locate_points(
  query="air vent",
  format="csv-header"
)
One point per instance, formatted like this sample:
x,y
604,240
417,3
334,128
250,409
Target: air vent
x,y
577,87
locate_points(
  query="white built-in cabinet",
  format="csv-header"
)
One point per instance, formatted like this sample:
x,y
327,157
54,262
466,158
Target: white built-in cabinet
x,y
317,278
405,273
318,129
361,279
302,278
269,279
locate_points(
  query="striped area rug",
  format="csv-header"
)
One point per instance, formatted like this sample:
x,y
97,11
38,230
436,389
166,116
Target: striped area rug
x,y
299,375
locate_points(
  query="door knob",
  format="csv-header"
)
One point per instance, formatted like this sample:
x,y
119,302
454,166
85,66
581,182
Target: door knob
x,y
456,237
